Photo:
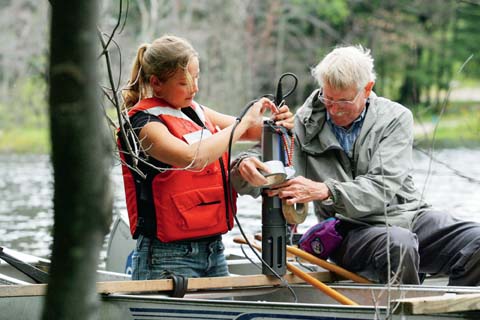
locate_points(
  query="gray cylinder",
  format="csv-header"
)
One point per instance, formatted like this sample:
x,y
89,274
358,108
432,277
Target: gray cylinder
x,y
274,227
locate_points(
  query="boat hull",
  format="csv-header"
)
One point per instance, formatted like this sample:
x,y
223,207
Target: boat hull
x,y
252,303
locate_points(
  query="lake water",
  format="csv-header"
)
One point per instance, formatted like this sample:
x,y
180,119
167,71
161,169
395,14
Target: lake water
x,y
26,189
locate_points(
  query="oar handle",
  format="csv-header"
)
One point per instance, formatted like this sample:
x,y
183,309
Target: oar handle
x,y
243,241
327,265
320,285
307,278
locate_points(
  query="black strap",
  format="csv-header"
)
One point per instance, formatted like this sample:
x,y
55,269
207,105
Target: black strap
x,y
189,112
180,285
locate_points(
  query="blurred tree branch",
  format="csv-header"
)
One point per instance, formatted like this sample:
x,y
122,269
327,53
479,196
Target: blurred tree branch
x,y
81,159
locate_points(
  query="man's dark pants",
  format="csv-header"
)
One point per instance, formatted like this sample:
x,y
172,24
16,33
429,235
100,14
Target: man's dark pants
x,y
439,243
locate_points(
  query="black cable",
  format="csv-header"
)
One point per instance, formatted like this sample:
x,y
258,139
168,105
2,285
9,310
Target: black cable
x,y
279,96
248,258
232,205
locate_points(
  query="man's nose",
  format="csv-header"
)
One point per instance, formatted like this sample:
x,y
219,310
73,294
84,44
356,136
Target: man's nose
x,y
335,107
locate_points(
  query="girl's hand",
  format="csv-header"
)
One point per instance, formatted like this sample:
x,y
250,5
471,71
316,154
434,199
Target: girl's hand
x,y
283,117
254,116
249,170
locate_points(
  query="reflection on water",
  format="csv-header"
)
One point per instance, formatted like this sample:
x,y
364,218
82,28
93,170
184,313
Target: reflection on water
x,y
26,203
26,214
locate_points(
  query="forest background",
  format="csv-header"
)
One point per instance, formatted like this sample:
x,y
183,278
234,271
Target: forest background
x,y
427,55
423,50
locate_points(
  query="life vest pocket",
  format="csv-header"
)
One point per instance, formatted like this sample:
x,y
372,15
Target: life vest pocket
x,y
210,170
200,209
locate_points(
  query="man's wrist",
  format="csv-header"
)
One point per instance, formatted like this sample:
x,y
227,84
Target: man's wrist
x,y
330,190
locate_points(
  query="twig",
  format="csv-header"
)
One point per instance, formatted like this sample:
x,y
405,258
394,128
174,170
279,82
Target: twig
x,y
442,111
107,44
455,171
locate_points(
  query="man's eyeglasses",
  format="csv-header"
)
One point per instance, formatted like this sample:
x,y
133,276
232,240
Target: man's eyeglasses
x,y
340,103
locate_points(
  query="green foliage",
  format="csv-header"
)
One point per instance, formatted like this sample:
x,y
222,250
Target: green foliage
x,y
24,126
25,140
244,46
459,126
29,103
335,12
465,39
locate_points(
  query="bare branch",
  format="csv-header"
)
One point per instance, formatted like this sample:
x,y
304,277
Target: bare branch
x,y
105,45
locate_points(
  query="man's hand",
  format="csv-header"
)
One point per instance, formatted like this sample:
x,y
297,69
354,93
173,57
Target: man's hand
x,y
300,190
248,169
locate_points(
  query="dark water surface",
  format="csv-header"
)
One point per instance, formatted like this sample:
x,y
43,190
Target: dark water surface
x,y
26,189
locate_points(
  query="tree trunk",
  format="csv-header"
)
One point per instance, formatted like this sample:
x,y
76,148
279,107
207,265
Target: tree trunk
x,y
410,89
81,159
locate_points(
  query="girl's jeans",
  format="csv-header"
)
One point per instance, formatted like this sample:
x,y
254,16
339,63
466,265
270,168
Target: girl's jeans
x,y
153,259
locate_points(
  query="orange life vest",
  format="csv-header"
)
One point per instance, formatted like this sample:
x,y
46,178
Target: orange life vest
x,y
184,204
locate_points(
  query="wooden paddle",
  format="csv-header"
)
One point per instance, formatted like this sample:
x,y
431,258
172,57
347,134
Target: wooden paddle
x,y
305,276
324,264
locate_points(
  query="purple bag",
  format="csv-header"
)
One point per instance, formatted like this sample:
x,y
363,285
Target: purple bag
x,y
322,239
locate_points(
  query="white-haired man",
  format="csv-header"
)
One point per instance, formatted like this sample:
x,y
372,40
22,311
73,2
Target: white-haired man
x,y
353,157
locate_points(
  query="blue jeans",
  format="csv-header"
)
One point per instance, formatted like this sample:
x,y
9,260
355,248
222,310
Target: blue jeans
x,y
153,259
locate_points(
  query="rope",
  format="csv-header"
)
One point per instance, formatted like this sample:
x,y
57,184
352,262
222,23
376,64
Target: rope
x,y
294,214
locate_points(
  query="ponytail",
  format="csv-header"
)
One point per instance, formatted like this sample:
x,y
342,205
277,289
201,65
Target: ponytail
x,y
135,88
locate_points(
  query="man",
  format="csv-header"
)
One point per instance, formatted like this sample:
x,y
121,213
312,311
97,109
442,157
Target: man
x,y
353,157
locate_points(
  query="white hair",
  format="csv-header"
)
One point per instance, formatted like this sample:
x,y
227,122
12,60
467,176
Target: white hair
x,y
344,67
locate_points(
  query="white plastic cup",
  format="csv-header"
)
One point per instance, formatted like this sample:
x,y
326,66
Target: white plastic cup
x,y
277,173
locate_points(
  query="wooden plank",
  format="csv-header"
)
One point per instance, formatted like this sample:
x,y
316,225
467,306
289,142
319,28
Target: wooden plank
x,y
203,283
143,286
23,290
438,304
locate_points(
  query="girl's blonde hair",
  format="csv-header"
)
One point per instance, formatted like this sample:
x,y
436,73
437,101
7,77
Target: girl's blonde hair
x,y
162,58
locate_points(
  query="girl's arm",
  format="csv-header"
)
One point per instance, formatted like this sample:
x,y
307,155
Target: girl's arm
x,y
282,117
163,146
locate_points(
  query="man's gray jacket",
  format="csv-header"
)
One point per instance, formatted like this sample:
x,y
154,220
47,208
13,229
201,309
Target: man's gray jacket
x,y
376,179
375,182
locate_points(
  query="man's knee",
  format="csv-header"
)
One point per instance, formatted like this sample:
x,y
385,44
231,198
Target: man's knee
x,y
403,253
465,270
401,260
402,240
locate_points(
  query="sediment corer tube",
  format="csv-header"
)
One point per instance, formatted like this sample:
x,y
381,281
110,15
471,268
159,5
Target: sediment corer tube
x,y
274,227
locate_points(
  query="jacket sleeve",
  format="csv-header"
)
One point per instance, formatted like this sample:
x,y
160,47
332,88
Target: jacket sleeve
x,y
241,186
390,163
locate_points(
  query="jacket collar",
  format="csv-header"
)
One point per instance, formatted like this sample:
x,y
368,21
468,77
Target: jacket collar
x,y
315,136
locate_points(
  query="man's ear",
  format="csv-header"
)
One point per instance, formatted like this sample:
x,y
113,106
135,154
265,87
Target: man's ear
x,y
369,87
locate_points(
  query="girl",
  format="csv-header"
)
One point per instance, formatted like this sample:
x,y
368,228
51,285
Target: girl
x,y
178,213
